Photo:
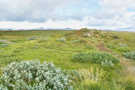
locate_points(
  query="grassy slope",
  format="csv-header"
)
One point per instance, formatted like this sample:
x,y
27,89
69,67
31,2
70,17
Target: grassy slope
x,y
59,46
44,46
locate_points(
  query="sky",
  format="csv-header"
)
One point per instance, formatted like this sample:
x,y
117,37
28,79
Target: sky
x,y
76,14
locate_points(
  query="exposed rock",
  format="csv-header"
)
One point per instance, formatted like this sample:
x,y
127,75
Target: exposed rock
x,y
87,34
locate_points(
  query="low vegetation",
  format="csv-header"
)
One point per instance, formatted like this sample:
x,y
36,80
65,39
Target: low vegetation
x,y
89,60
130,55
102,58
31,75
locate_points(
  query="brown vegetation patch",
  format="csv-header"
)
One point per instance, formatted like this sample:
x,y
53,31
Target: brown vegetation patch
x,y
129,66
102,47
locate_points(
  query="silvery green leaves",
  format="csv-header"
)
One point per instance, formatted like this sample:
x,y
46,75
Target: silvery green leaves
x,y
130,55
32,75
96,57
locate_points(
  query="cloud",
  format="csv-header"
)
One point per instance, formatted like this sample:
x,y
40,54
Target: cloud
x,y
29,10
118,4
100,14
48,24
115,14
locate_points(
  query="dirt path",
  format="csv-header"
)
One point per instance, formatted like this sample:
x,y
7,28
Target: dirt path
x,y
102,47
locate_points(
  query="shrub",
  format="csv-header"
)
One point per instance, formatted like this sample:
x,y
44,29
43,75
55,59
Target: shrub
x,y
111,46
3,43
32,38
78,41
129,85
123,49
81,57
101,58
120,48
130,55
28,75
63,39
115,37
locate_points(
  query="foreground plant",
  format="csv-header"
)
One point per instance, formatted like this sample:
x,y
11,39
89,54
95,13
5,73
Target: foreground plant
x,y
94,78
31,75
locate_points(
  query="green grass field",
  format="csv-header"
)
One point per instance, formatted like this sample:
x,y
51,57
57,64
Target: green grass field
x,y
59,47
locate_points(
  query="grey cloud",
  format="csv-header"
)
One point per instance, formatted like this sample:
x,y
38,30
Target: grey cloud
x,y
29,10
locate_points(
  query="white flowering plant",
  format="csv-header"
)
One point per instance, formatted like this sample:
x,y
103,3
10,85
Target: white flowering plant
x,y
32,75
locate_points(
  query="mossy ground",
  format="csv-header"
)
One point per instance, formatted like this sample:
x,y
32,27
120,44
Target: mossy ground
x,y
59,47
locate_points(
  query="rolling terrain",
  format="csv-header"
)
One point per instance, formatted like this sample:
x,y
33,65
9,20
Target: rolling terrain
x,y
97,60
